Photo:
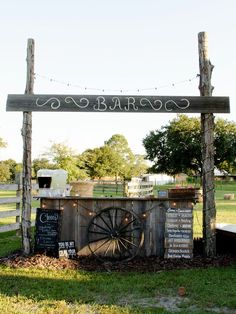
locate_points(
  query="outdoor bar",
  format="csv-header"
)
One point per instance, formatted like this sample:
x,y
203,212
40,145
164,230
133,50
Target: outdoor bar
x,y
121,227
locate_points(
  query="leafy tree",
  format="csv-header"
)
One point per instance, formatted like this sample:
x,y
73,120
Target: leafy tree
x,y
41,163
99,162
176,147
63,157
8,169
125,159
114,159
5,173
225,145
2,143
139,166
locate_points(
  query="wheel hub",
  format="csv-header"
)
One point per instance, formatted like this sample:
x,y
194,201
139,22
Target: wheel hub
x,y
114,234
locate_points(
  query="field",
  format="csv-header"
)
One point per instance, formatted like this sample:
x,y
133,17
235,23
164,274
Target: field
x,y
62,291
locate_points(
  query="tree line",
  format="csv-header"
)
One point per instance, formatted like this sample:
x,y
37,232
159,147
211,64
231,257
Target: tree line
x,y
114,159
174,148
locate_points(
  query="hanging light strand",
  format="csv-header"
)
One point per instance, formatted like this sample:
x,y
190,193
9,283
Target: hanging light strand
x,y
120,90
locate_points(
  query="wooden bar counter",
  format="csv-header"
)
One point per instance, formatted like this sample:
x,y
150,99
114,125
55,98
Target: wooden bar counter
x,y
145,215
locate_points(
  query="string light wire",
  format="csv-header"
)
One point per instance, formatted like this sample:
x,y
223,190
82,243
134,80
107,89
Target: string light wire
x,y
120,90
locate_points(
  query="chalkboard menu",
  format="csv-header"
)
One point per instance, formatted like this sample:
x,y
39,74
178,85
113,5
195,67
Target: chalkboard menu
x,y
179,233
47,230
66,249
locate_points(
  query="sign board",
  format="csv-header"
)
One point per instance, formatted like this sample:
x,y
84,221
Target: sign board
x,y
118,103
179,233
66,249
47,230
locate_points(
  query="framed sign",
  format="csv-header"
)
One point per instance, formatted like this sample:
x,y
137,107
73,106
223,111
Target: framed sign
x,y
47,230
179,233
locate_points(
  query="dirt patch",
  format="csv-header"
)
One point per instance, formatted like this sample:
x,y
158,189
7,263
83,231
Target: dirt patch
x,y
140,264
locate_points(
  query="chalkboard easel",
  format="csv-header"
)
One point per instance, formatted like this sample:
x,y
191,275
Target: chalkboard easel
x,y
47,231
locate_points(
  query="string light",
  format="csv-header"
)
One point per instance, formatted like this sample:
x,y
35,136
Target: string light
x,y
120,90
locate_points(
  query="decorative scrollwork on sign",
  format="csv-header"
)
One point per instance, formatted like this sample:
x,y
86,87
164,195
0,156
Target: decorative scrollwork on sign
x,y
182,107
70,99
53,102
157,103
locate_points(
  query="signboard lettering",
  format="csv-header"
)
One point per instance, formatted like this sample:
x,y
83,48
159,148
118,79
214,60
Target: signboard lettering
x,y
66,249
179,233
117,103
47,230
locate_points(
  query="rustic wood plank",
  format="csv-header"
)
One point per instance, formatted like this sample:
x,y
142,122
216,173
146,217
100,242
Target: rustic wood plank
x,y
9,213
117,103
9,227
8,187
8,200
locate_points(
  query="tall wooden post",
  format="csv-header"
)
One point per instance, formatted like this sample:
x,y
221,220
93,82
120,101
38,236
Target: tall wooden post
x,y
27,139
207,131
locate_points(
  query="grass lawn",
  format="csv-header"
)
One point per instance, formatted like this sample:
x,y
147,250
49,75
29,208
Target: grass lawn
x,y
34,290
67,291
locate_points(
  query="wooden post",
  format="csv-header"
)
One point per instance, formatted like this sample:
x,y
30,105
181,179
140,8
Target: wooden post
x,y
18,194
27,139
207,131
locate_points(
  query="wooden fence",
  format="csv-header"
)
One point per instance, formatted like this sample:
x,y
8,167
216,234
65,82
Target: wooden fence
x,y
139,188
109,188
122,188
15,203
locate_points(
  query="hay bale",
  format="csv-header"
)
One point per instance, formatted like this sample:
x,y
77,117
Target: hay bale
x,y
82,188
229,196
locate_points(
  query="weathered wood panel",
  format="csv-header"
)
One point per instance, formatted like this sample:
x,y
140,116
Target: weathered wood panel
x,y
8,200
9,213
120,103
78,212
9,227
9,187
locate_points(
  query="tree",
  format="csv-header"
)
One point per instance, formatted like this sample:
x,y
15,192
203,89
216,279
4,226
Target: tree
x,y
5,173
176,147
2,143
99,162
125,159
8,169
63,157
225,146
114,159
41,163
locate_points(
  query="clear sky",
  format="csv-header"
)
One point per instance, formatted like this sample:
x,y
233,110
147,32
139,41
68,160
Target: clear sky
x,y
110,45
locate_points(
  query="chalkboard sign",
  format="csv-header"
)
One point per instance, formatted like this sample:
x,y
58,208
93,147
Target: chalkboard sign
x,y
179,233
66,249
47,230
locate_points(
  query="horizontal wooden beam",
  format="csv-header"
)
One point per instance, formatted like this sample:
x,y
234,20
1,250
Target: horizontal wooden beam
x,y
10,227
9,213
9,187
8,200
120,103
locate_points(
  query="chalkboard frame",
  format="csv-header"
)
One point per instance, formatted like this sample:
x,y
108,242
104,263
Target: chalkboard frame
x,y
47,231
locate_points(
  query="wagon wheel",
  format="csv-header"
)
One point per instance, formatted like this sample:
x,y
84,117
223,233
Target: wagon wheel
x,y
115,234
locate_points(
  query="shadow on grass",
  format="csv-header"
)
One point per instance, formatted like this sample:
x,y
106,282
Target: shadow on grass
x,y
83,288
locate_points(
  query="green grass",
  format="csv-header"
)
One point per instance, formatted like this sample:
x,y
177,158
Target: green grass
x,y
34,290
67,291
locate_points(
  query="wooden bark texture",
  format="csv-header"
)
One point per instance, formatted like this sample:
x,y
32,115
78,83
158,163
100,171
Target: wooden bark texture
x,y
27,139
207,131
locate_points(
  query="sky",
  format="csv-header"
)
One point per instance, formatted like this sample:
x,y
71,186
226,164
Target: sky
x,y
142,47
